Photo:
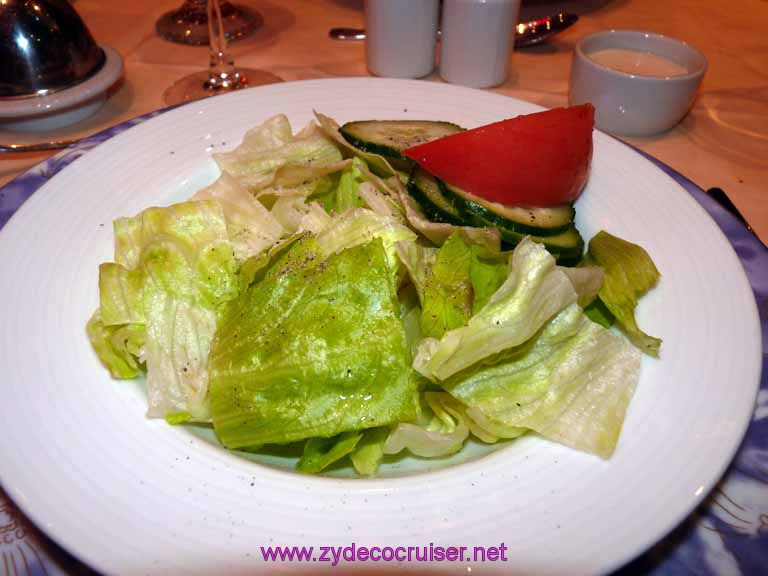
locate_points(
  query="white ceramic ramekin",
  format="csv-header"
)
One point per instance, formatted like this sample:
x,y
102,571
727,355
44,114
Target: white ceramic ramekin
x,y
631,104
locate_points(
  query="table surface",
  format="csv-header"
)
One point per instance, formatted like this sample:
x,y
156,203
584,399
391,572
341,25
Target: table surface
x,y
722,142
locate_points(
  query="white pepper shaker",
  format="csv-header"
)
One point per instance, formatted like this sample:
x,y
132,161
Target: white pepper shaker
x,y
477,41
400,37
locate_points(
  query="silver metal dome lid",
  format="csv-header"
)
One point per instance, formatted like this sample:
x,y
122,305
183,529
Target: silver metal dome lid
x,y
44,46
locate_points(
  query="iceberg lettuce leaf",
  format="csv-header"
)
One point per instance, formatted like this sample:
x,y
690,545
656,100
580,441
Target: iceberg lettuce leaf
x,y
346,194
175,268
315,348
120,295
289,211
311,178
533,293
315,219
360,226
380,202
629,273
190,224
120,354
272,133
183,249
440,431
410,313
586,280
268,148
319,453
251,228
255,267
369,451
348,191
571,383
442,281
487,274
418,260
176,418
599,313
179,336
298,216
489,430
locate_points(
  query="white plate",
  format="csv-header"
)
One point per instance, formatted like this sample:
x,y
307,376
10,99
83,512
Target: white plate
x,y
134,496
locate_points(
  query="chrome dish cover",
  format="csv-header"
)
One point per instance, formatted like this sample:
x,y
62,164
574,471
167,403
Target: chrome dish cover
x,y
44,46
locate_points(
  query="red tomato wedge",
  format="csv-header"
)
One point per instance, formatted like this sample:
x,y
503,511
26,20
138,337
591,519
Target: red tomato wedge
x,y
539,159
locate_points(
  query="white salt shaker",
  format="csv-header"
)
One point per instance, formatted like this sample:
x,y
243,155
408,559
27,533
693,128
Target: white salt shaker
x,y
477,40
400,37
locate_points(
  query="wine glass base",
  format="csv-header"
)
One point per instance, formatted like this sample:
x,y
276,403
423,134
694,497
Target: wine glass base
x,y
186,26
193,87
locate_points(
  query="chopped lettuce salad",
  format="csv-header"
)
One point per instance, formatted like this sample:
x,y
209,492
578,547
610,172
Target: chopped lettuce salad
x,y
304,297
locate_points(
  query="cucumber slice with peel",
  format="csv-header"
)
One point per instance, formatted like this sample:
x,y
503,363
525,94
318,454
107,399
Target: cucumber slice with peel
x,y
425,189
539,221
390,137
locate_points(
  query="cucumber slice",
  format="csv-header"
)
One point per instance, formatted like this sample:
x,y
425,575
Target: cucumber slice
x,y
424,188
567,247
390,137
546,221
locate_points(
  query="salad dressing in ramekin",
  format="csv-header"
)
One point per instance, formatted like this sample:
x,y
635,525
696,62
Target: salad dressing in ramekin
x,y
639,63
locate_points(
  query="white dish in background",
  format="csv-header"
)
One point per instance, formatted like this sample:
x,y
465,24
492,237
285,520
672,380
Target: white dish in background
x,y
131,496
62,107
633,104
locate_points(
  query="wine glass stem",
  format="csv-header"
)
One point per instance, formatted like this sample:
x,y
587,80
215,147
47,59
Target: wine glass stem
x,y
223,74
